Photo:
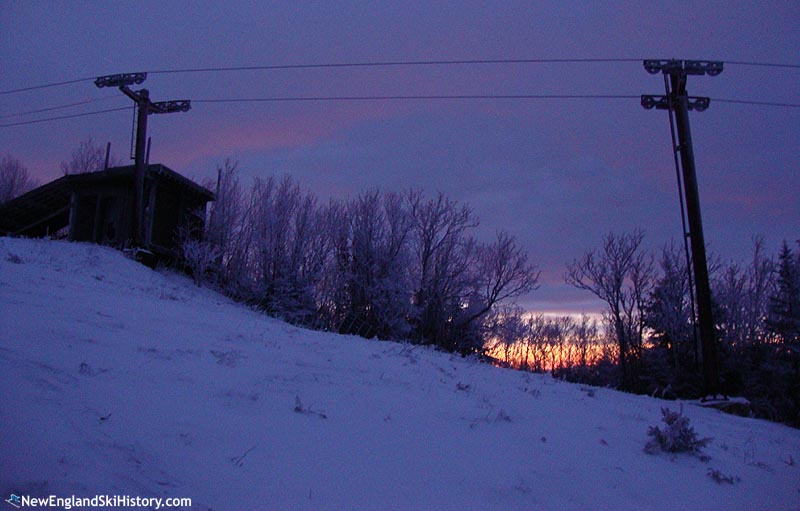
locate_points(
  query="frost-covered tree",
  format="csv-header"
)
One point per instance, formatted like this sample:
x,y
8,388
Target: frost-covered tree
x,y
373,257
668,311
677,435
380,265
224,219
741,294
227,230
199,257
14,178
281,240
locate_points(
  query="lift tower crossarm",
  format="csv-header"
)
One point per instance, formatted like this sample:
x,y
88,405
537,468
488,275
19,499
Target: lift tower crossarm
x,y
120,80
159,107
695,103
168,107
687,67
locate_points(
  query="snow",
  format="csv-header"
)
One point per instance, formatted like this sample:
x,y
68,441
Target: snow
x,y
120,380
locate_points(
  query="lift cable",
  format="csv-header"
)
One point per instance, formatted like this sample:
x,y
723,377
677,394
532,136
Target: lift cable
x,y
391,63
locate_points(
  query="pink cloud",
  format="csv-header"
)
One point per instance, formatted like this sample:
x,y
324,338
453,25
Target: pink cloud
x,y
221,133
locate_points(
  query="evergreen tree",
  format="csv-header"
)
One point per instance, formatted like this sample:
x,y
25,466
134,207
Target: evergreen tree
x,y
672,357
784,306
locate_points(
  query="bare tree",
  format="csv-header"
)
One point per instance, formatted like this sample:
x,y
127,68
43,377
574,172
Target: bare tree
x,y
587,341
331,289
761,279
621,275
88,157
535,343
506,329
457,282
443,255
14,178
503,273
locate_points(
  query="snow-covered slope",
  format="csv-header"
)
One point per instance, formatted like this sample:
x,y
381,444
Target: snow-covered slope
x,y
119,380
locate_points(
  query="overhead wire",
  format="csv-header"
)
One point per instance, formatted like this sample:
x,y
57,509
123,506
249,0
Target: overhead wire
x,y
757,103
378,97
277,99
761,64
390,63
346,98
72,116
395,63
426,97
414,97
334,65
60,107
46,85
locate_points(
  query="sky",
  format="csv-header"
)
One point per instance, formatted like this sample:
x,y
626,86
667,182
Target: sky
x,y
558,174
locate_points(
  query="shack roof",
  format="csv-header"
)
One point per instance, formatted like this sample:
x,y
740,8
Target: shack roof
x,y
47,207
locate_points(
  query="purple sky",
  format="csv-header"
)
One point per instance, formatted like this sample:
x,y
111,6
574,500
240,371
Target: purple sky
x,y
558,174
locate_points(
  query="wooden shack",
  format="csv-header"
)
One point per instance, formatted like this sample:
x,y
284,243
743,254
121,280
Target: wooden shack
x,y
99,207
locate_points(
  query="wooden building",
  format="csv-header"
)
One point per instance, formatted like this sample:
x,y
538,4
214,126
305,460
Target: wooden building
x,y
100,207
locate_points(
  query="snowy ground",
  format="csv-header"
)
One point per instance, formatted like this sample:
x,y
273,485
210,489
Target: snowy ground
x,y
116,379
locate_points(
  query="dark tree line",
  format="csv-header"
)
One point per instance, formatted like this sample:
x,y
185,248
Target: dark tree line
x,y
384,265
14,178
649,318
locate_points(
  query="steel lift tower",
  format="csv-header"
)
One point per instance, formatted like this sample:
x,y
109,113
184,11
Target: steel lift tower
x,y
144,108
679,103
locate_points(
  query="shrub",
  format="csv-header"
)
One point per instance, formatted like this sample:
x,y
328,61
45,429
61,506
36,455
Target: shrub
x,y
200,258
721,478
677,435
